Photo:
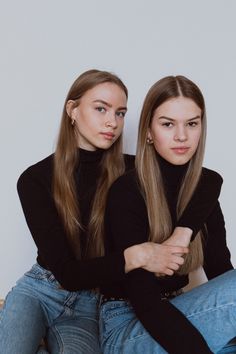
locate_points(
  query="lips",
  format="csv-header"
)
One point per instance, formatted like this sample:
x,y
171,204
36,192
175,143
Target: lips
x,y
108,135
180,150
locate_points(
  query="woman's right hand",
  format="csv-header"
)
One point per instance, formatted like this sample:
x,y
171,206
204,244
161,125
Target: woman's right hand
x,y
157,258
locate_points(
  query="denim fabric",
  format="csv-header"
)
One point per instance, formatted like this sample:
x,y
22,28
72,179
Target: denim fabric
x,y
211,307
37,307
42,350
229,348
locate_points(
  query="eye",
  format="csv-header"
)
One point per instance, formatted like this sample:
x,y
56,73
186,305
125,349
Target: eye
x,y
167,124
100,109
121,114
193,124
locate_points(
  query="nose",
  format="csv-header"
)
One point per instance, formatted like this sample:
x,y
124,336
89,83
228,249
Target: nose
x,y
111,121
180,134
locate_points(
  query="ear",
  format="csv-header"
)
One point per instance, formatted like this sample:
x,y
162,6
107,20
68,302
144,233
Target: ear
x,y
71,109
149,135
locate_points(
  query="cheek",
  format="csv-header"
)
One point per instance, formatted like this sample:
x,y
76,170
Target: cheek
x,y
160,138
82,125
161,145
120,124
86,122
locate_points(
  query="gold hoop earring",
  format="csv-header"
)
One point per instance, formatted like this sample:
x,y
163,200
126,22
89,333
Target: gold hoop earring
x,y
149,141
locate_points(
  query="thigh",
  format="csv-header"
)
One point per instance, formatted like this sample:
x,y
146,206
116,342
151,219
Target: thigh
x,y
22,324
76,330
122,333
211,308
74,336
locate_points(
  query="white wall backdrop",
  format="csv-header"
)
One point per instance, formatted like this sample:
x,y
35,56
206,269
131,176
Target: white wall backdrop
x,y
45,45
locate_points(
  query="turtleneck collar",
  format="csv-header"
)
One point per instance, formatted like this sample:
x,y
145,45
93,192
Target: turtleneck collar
x,y
90,156
172,174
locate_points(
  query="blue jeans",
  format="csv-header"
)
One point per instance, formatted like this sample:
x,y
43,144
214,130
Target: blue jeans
x,y
37,307
211,307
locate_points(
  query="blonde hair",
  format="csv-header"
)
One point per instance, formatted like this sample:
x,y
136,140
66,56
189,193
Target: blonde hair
x,y
149,173
66,160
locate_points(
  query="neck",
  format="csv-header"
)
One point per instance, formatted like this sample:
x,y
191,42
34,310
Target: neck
x,y
90,156
172,174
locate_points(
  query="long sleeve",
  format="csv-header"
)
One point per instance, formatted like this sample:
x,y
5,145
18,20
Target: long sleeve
x,y
216,253
202,202
127,224
47,230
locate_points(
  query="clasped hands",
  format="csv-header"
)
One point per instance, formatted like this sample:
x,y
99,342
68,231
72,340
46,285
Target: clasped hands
x,y
167,257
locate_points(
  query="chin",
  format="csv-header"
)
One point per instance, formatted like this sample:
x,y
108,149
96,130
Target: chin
x,y
104,146
178,162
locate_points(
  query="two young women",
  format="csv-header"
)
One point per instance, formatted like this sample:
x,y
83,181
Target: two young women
x,y
146,312
63,198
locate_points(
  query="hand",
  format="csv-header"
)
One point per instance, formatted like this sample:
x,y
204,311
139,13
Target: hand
x,y
165,259
181,236
154,257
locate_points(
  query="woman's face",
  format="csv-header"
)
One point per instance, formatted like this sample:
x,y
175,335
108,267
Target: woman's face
x,y
99,117
176,129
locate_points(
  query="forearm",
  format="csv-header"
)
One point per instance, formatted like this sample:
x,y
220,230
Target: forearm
x,y
181,236
217,259
165,323
135,257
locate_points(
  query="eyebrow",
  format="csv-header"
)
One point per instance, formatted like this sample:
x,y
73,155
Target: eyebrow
x,y
109,105
172,120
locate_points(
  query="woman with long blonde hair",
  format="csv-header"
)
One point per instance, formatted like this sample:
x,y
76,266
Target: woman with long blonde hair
x,y
63,198
149,312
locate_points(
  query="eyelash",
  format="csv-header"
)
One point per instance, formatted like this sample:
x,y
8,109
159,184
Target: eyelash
x,y
167,124
190,124
122,114
193,124
101,109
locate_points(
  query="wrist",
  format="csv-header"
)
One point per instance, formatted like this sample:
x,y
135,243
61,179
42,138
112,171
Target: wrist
x,y
184,232
135,257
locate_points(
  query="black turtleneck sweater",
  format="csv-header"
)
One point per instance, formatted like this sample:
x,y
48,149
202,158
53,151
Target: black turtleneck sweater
x,y
55,252
126,224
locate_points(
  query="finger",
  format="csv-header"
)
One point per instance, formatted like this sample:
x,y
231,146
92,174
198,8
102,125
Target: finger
x,y
158,275
179,254
169,271
174,266
178,249
178,260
